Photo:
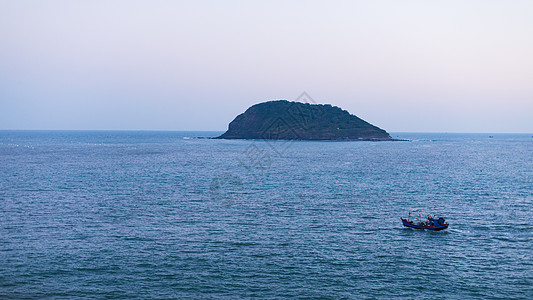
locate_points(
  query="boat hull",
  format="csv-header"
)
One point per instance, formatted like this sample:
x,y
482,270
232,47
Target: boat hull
x,y
434,228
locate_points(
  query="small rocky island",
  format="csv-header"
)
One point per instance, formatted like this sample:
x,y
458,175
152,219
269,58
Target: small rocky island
x,y
287,120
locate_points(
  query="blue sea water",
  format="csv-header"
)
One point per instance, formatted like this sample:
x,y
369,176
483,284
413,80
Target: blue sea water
x,y
169,215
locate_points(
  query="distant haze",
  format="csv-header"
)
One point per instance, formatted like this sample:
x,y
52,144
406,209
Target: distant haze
x,y
434,66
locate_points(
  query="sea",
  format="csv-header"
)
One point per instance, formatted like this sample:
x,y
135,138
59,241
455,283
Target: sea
x,y
179,215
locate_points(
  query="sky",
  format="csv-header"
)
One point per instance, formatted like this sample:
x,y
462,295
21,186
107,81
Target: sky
x,y
405,66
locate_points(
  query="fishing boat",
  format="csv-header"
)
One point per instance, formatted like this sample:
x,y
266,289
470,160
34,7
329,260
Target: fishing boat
x,y
431,223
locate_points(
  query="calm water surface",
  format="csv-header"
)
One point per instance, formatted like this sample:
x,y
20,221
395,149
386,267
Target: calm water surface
x,y
168,215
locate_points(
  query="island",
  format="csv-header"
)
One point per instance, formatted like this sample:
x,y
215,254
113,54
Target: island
x,y
289,120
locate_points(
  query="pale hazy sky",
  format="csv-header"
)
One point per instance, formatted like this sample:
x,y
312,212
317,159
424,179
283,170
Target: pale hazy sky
x,y
440,66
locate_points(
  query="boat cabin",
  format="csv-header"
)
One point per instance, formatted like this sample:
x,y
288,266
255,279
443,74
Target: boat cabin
x,y
435,222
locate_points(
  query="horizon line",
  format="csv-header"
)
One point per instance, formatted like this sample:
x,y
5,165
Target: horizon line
x,y
176,130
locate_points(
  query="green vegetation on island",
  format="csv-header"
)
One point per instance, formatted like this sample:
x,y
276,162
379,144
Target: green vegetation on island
x,y
287,120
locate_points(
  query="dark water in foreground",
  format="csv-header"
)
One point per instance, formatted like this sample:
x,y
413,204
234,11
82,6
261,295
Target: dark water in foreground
x,y
164,215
